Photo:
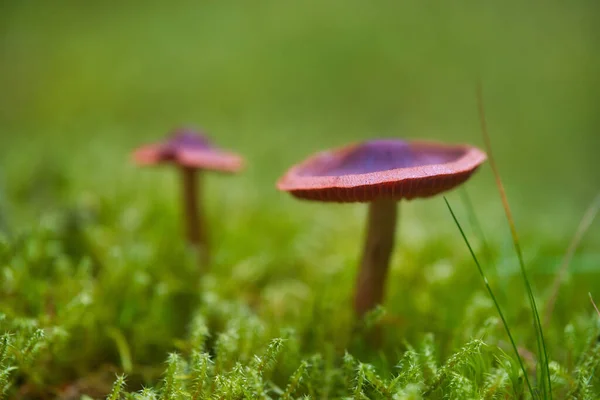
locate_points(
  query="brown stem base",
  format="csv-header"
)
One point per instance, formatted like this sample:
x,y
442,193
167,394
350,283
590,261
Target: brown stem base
x,y
379,244
193,217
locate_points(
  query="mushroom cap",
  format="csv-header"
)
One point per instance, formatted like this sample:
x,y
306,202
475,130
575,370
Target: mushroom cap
x,y
388,168
189,149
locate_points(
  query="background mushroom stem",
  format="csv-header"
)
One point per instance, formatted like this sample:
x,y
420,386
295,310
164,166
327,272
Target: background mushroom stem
x,y
194,219
379,244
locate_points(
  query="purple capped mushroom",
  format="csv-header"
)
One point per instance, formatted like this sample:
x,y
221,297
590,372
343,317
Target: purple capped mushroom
x,y
381,173
192,153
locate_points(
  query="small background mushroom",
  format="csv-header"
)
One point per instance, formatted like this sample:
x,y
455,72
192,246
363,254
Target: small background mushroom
x,y
191,152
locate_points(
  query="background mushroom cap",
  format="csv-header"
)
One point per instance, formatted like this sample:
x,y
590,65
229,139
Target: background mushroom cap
x,y
391,168
191,149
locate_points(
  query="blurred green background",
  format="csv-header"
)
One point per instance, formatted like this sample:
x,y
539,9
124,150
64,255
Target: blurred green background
x,y
83,83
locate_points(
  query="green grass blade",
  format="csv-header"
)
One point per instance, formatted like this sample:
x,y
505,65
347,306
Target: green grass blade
x,y
493,297
594,304
541,343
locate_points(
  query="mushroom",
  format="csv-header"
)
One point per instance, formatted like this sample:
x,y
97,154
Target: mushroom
x,y
380,172
190,151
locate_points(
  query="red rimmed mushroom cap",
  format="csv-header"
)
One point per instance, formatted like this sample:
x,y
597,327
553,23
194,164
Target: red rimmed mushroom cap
x,y
190,149
390,168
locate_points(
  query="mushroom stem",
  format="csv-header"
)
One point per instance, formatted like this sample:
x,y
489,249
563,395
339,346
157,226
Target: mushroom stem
x,y
194,219
379,244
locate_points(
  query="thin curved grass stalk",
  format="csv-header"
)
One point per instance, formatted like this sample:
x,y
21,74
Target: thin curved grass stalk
x,y
584,225
594,304
491,293
541,343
